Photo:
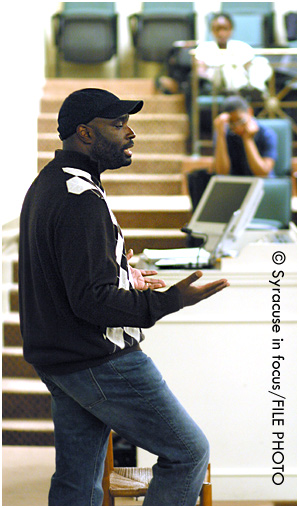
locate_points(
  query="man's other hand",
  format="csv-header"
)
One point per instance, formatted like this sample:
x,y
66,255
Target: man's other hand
x,y
141,278
192,293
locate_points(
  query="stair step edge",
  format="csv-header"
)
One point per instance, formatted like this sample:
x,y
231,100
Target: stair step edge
x,y
11,318
140,177
175,203
141,137
163,233
9,286
141,116
12,351
24,386
137,156
27,425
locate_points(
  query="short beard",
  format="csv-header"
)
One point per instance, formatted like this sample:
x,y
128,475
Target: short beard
x,y
108,154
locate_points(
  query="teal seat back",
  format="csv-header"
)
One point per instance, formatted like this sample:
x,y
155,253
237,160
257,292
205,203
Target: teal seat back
x,y
168,7
283,129
89,7
247,7
275,207
249,28
276,202
87,32
158,26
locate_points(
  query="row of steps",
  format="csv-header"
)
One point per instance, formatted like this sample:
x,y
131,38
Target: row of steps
x,y
14,367
63,86
153,104
26,403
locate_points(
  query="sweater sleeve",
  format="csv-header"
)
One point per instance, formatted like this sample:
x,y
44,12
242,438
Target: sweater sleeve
x,y
85,252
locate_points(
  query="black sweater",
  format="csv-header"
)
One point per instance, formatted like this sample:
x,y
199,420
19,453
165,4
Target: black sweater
x,y
78,307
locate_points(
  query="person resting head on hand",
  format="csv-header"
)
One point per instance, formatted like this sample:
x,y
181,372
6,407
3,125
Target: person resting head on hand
x,y
242,145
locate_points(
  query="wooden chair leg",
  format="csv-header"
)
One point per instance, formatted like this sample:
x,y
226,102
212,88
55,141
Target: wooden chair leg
x,y
206,495
108,500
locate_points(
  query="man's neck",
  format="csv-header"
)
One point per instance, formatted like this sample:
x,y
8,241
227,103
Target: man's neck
x,y
94,166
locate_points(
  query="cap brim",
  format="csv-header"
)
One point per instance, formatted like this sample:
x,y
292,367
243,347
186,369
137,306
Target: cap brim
x,y
120,108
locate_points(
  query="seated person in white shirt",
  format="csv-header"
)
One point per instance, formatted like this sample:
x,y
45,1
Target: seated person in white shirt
x,y
230,65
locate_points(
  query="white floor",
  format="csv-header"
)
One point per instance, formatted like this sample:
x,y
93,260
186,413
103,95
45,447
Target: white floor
x,y
26,473
26,478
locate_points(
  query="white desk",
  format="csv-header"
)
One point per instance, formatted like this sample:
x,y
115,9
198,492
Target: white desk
x,y
217,359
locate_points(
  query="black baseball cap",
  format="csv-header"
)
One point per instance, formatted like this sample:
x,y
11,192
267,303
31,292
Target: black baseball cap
x,y
84,105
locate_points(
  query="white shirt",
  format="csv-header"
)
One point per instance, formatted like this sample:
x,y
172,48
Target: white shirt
x,y
226,65
237,53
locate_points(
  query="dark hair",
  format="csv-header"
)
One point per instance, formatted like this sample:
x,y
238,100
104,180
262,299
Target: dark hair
x,y
217,15
234,102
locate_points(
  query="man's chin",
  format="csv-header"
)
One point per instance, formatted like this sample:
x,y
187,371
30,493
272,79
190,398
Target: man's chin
x,y
128,161
125,162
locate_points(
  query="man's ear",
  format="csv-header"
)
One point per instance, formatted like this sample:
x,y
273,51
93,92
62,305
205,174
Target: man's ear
x,y
250,111
84,133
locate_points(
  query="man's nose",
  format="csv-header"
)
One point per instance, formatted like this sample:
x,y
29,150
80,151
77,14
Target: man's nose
x,y
131,133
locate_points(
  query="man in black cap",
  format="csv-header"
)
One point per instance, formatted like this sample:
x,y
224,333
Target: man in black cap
x,y
82,308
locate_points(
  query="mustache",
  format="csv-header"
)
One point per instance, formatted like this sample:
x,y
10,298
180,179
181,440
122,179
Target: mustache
x,y
129,145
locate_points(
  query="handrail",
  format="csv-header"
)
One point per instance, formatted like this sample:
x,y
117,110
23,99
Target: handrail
x,y
275,51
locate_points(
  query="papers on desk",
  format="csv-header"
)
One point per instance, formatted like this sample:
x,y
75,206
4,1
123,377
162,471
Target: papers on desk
x,y
194,257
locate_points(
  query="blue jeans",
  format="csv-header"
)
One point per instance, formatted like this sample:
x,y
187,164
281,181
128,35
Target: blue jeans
x,y
128,395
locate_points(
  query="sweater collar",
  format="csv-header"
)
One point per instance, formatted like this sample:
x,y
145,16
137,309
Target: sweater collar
x,y
78,160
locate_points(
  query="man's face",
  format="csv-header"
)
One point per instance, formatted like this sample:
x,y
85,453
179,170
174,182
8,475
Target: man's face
x,y
237,121
221,30
113,139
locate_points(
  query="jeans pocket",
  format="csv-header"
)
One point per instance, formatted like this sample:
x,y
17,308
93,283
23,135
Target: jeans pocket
x,y
80,386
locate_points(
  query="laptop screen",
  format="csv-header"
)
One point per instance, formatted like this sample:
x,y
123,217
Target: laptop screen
x,y
223,196
225,199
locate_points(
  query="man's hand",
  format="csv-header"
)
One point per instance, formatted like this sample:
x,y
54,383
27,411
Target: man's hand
x,y
192,293
221,123
141,277
250,128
